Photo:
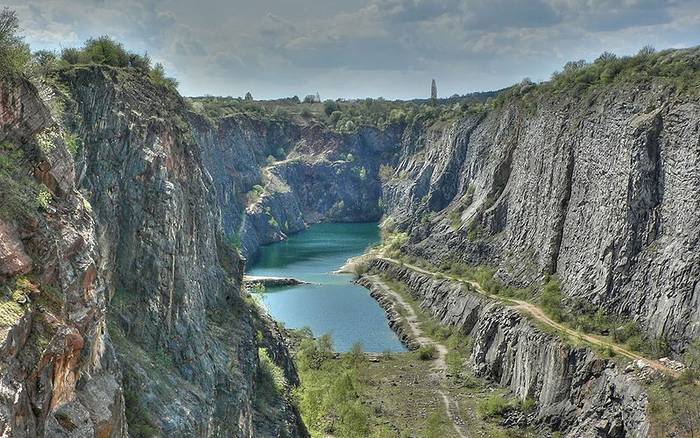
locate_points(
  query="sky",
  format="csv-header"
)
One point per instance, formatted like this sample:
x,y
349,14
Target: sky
x,y
361,48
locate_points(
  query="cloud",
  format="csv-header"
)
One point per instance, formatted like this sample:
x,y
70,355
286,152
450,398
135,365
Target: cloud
x,y
361,47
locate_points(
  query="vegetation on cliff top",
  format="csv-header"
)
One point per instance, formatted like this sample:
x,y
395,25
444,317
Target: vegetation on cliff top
x,y
105,51
342,116
678,69
14,52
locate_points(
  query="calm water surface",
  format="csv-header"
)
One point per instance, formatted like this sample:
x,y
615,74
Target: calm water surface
x,y
332,303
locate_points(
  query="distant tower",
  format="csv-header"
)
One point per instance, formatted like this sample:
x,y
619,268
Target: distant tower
x,y
318,97
433,91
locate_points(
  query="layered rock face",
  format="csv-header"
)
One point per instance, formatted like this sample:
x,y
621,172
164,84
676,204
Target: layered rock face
x,y
58,371
121,310
315,175
602,190
184,335
576,392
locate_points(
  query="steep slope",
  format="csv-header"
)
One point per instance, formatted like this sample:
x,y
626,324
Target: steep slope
x,y
185,336
598,187
576,392
121,308
59,375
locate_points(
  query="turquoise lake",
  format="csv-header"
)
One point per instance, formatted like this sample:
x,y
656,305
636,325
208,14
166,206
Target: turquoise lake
x,y
332,303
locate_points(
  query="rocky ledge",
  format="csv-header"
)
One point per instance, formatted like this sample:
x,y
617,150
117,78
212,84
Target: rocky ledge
x,y
576,392
272,281
396,321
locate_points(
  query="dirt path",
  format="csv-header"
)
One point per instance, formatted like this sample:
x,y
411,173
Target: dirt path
x,y
539,315
439,366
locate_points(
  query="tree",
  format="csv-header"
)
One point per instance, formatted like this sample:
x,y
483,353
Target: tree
x,y
104,50
14,52
329,107
157,75
248,96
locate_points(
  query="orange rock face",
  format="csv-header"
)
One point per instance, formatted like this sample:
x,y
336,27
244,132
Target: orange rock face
x,y
13,258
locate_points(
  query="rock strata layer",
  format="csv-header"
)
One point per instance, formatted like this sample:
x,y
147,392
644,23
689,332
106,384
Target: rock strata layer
x,y
576,391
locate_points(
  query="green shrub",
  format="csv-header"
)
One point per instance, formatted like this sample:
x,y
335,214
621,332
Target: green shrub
x,y
234,241
329,107
137,417
271,374
106,51
427,352
21,196
674,408
551,300
494,406
158,77
14,52
626,331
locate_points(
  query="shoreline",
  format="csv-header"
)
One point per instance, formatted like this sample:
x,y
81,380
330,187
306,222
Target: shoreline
x,y
393,316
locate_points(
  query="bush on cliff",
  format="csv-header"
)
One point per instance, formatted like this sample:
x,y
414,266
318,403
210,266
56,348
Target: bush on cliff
x,y
551,298
106,51
14,52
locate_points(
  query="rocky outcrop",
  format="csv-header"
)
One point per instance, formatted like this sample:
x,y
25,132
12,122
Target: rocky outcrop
x,y
121,307
393,316
576,391
58,372
601,189
186,339
13,257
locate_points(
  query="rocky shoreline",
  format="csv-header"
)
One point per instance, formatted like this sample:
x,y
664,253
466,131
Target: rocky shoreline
x,y
272,281
395,319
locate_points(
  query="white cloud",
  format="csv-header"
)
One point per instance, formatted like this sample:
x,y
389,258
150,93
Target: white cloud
x,y
362,47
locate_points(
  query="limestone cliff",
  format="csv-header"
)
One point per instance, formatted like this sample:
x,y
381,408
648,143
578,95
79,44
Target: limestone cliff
x,y
58,371
125,310
315,175
601,189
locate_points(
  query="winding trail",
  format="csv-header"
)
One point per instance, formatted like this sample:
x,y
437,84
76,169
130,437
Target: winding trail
x,y
440,365
538,314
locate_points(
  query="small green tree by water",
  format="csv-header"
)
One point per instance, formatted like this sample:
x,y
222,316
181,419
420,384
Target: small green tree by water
x,y
330,395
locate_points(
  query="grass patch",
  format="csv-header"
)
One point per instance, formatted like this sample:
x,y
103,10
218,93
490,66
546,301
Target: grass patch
x,y
13,299
21,196
329,397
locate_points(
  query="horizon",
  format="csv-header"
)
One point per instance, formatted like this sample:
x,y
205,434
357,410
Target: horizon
x,y
361,48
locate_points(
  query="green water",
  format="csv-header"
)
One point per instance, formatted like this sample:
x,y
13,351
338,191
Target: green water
x,y
331,303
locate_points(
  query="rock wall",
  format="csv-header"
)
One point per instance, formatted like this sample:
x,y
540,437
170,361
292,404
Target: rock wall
x,y
317,175
58,371
601,189
121,310
576,391
186,338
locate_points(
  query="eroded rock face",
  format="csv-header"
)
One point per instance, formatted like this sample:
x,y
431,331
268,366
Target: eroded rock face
x,y
317,175
184,336
56,351
576,391
13,257
121,305
604,193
